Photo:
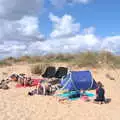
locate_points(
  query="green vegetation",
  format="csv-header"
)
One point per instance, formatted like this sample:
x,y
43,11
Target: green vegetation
x,y
3,63
39,68
85,59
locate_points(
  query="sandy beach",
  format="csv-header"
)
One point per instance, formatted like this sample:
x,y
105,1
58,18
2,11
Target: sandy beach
x,y
15,104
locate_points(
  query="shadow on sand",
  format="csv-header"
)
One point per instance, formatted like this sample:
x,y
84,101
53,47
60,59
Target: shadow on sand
x,y
108,100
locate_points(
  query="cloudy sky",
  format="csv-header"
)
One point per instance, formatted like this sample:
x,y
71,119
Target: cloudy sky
x,y
37,27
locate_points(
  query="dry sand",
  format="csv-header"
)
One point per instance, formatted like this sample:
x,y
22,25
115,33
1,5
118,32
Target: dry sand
x,y
16,105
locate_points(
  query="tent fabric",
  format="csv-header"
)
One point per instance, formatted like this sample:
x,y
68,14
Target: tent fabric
x,y
77,80
50,72
61,71
94,85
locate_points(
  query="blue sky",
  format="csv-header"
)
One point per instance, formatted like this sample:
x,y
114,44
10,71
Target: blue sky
x,y
104,15
37,27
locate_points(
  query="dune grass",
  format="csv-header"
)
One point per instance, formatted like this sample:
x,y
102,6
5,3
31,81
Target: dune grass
x,y
39,68
85,59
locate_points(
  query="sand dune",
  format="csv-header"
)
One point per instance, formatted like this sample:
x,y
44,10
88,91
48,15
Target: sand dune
x,y
16,105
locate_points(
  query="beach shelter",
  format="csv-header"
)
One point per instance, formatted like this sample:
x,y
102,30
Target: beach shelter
x,y
49,72
76,80
61,72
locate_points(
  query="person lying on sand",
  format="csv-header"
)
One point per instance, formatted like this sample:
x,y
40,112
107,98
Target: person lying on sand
x,y
14,77
22,79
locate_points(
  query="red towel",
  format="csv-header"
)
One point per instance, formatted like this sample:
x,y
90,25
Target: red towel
x,y
35,83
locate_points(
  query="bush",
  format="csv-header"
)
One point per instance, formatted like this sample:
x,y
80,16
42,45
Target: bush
x,y
86,59
3,63
39,68
23,59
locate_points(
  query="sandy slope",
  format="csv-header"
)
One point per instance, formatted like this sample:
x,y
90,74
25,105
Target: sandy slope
x,y
16,105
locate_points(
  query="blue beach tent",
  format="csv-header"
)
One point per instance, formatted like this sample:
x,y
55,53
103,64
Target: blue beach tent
x,y
76,80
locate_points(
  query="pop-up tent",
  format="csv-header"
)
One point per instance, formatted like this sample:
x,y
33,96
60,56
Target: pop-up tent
x,y
76,80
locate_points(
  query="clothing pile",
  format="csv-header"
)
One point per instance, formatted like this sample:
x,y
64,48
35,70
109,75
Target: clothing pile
x,y
4,84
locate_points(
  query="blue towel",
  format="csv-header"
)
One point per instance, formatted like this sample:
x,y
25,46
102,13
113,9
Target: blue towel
x,y
67,94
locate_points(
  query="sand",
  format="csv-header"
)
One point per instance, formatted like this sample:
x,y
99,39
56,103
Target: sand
x,y
15,104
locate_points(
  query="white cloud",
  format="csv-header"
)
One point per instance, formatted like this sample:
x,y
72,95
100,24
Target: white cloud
x,y
19,25
71,44
111,43
66,32
24,29
16,9
20,34
61,3
18,19
64,26
89,30
66,37
12,48
82,1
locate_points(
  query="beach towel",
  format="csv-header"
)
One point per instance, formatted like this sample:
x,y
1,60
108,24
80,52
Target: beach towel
x,y
67,94
34,83
85,98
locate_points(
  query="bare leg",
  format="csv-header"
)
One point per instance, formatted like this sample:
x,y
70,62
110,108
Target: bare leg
x,y
25,82
38,88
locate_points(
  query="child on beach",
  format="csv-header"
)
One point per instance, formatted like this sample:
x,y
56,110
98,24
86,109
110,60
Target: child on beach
x,y
100,94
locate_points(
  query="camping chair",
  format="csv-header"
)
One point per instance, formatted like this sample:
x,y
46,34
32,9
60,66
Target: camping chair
x,y
50,72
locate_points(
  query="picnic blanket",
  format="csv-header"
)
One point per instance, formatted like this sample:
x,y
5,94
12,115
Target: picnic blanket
x,y
34,83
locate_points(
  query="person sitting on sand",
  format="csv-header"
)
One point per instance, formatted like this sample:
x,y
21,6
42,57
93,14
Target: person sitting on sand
x,y
100,94
30,81
45,87
27,81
